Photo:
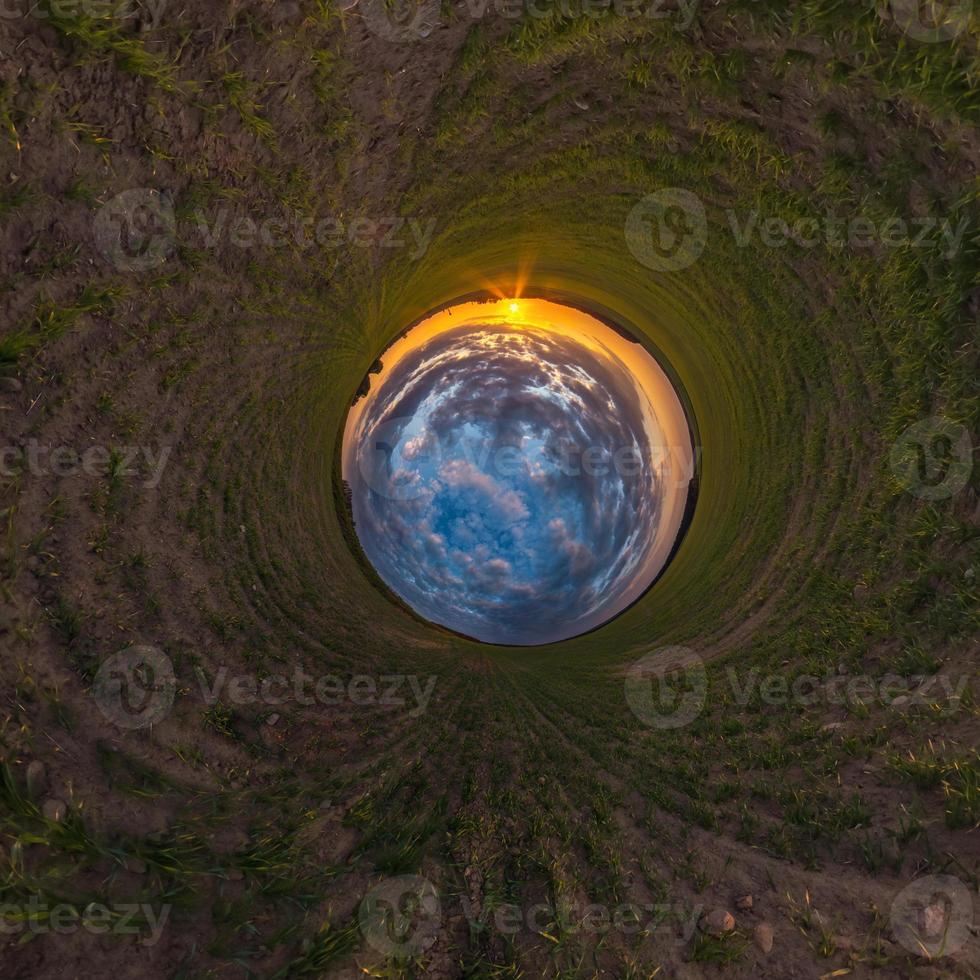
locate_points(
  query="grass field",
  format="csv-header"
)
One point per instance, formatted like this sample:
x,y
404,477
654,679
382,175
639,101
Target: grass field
x,y
212,220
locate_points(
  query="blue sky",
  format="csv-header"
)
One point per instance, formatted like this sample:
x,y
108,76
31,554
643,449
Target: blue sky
x,y
473,499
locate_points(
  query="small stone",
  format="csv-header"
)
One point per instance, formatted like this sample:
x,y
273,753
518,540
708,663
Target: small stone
x,y
580,104
744,903
36,779
718,921
832,726
234,874
762,934
135,866
272,719
932,920
10,386
842,669
54,810
860,591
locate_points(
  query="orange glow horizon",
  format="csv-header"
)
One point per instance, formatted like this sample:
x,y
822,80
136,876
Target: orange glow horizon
x,y
664,418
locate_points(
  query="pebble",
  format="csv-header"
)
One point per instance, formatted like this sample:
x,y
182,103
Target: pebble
x,y
718,921
36,779
54,810
10,386
744,903
933,919
135,866
762,934
234,874
860,591
272,719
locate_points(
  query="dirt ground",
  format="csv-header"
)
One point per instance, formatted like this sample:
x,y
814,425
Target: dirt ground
x,y
173,371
